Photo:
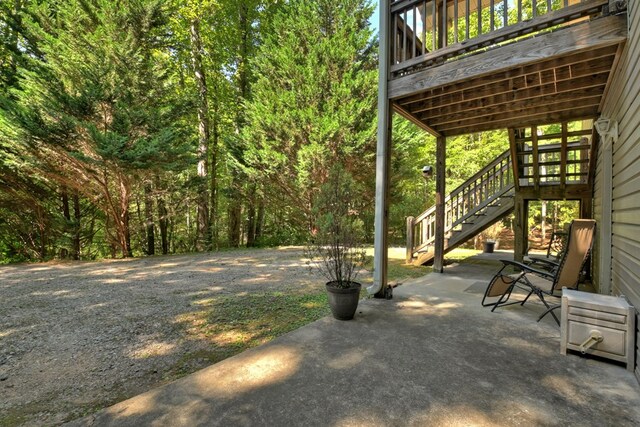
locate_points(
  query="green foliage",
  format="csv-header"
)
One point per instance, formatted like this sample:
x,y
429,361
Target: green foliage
x,y
100,123
314,100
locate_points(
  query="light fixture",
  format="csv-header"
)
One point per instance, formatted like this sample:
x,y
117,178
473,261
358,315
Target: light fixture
x,y
427,172
607,128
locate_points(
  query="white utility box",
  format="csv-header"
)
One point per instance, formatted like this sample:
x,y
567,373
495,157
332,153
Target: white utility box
x,y
597,324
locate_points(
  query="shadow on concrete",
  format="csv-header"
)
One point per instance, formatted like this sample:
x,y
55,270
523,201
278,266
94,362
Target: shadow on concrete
x,y
430,356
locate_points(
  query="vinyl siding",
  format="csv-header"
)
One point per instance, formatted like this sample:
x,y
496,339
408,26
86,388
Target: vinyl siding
x,y
623,105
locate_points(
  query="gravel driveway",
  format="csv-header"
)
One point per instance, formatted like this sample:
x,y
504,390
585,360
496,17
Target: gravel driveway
x,y
75,337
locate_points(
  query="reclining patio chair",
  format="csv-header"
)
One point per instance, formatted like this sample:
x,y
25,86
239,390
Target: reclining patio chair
x,y
541,282
555,250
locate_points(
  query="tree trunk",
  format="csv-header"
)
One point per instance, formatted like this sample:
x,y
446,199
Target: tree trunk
x,y
76,226
203,230
163,223
260,220
66,212
213,176
235,206
149,225
163,220
123,225
251,216
234,213
42,232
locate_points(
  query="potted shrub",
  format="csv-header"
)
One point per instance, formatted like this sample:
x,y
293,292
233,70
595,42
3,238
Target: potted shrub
x,y
490,237
335,248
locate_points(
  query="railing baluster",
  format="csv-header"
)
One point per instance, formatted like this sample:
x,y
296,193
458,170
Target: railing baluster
x,y
404,37
455,21
434,24
479,17
534,8
415,32
396,41
505,13
466,19
491,17
520,10
423,15
445,30
548,6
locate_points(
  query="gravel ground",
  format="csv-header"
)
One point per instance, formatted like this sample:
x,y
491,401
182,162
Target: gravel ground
x,y
75,337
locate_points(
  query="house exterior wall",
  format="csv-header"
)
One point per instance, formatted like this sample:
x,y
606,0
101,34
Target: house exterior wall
x,y
622,104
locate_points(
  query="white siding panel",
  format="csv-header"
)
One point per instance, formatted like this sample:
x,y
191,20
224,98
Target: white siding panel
x,y
623,104
627,217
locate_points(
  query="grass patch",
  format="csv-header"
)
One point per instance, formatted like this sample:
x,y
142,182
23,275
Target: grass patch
x,y
235,323
398,270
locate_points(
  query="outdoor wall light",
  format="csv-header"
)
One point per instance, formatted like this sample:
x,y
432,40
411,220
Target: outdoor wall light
x,y
427,172
607,128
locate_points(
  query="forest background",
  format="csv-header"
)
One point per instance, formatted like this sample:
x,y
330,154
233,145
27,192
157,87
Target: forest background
x,y
139,127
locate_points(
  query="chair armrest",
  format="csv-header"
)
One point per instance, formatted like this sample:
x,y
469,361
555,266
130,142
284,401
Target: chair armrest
x,y
527,268
543,263
549,262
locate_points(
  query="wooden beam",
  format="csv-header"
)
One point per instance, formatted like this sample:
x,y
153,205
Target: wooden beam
x,y
583,97
413,119
438,257
514,158
602,54
521,235
544,114
563,156
410,239
536,158
607,31
592,82
524,121
554,192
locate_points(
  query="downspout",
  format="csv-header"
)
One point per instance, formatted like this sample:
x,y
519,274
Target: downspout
x,y
380,258
608,131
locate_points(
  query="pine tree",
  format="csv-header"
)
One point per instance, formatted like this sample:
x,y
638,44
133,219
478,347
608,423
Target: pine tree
x,y
92,108
313,103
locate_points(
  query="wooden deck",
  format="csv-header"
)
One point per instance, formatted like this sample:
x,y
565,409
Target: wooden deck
x,y
557,75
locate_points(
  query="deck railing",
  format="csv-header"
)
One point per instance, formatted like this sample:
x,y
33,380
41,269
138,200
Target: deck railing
x,y
474,194
542,161
425,33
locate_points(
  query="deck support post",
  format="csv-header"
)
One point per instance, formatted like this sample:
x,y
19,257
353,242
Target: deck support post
x,y
383,160
438,256
410,239
521,234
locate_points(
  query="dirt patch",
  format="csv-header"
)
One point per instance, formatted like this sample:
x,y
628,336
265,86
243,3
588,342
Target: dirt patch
x,y
76,337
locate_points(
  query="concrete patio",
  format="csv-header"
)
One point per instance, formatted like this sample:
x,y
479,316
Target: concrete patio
x,y
430,356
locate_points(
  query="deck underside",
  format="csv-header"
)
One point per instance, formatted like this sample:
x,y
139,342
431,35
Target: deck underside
x,y
558,76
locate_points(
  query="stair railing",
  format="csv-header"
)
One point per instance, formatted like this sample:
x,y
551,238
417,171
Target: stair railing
x,y
467,200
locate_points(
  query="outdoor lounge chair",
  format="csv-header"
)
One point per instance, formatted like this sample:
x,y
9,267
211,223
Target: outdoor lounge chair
x,y
555,250
541,282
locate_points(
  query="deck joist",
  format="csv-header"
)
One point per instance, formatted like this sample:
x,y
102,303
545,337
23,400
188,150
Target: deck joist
x,y
556,76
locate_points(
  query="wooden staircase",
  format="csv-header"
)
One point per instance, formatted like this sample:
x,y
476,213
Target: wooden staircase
x,y
478,203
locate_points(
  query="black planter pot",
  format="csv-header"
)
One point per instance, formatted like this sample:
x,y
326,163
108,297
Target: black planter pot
x,y
343,301
489,247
